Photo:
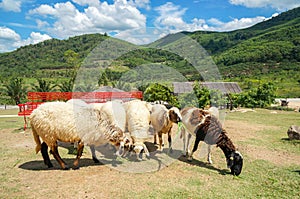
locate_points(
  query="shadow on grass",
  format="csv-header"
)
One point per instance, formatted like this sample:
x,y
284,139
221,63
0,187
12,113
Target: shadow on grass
x,y
38,165
195,162
297,171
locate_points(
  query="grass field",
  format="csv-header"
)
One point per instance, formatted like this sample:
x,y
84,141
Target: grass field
x,y
271,166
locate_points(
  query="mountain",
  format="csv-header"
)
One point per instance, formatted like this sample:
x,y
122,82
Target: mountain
x,y
267,51
49,55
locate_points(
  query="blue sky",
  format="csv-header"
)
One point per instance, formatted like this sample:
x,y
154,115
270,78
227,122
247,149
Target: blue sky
x,y
24,22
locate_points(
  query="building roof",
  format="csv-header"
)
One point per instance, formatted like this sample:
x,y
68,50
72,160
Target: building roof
x,y
224,87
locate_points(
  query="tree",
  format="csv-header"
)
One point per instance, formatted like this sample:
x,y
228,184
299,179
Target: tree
x,y
157,91
103,80
122,85
66,86
262,96
15,90
72,59
43,86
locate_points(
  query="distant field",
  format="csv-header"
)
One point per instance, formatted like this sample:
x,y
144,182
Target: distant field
x,y
271,166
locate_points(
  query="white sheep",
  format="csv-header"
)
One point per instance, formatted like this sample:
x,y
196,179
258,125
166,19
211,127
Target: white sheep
x,y
60,121
162,120
138,119
116,115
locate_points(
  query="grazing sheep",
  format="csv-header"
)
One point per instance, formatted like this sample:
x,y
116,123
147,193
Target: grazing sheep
x,y
138,119
60,121
206,127
116,116
186,143
162,121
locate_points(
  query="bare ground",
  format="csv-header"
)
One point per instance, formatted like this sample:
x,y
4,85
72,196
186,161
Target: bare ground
x,y
24,175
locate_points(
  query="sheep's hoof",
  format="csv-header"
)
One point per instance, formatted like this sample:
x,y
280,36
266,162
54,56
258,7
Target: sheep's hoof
x,y
66,168
148,156
76,167
50,165
190,158
96,160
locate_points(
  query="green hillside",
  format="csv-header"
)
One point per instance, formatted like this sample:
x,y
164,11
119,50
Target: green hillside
x,y
268,51
47,55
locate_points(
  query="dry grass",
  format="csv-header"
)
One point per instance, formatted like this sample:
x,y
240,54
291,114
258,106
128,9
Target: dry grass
x,y
272,167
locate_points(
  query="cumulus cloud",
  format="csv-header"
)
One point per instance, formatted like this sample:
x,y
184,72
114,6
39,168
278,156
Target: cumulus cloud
x,y
235,24
96,17
11,5
10,40
170,20
34,38
8,37
280,5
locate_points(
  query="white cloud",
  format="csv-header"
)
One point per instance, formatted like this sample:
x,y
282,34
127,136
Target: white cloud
x,y
35,37
141,3
280,5
10,40
11,5
7,39
96,17
170,20
235,24
8,34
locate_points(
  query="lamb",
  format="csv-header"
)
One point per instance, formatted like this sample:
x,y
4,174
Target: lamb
x,y
60,121
138,119
206,127
162,120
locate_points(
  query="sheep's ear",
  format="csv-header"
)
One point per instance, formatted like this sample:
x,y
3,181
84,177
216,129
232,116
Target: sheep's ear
x,y
172,115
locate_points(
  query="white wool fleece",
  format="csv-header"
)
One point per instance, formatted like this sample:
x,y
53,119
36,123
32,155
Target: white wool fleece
x,y
67,122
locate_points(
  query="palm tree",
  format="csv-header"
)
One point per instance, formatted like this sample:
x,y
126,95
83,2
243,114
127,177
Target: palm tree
x,y
66,86
15,90
43,86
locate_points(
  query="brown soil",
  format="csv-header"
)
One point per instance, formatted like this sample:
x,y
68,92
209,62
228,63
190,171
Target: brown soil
x,y
24,175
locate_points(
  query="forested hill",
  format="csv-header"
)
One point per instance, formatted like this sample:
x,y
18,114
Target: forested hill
x,y
273,41
49,54
268,49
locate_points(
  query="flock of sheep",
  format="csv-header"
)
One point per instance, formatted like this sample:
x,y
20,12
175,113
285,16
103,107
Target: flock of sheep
x,y
125,125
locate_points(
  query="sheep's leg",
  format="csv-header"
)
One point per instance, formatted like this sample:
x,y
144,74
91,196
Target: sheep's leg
x,y
44,151
209,154
146,151
54,150
160,141
93,151
198,139
188,144
80,147
183,136
155,141
170,141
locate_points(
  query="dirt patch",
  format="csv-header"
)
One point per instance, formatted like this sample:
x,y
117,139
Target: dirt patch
x,y
239,130
277,157
24,175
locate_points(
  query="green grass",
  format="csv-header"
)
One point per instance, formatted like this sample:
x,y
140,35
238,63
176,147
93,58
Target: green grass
x,y
261,177
16,122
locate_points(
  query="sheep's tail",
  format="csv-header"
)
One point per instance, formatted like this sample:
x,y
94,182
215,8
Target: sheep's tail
x,y
37,140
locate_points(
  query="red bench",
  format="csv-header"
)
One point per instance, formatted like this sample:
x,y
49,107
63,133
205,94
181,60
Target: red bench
x,y
37,98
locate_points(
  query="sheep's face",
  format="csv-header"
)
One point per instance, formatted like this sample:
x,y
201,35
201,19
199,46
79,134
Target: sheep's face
x,y
174,115
126,144
235,163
